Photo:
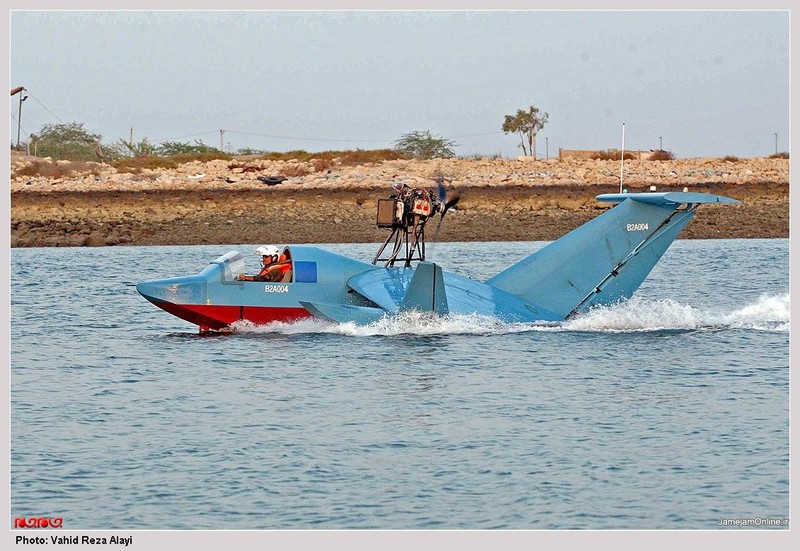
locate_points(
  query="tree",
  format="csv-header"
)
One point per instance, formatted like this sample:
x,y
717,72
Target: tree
x,y
423,145
68,142
526,124
167,149
133,149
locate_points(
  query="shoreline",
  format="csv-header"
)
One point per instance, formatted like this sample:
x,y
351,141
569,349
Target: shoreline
x,y
58,203
75,218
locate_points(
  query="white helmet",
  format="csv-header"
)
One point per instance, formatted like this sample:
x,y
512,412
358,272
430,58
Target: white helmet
x,y
269,250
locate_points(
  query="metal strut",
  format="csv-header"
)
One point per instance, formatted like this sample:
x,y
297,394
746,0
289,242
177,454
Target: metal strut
x,y
406,214
411,238
615,271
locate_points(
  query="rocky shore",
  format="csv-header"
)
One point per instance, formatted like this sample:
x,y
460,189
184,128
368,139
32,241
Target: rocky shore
x,y
225,202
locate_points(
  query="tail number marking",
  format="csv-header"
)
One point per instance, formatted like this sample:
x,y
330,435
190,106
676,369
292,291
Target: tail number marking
x,y
270,288
638,227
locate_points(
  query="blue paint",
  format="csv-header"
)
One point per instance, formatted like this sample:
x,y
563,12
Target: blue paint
x,y
305,272
600,263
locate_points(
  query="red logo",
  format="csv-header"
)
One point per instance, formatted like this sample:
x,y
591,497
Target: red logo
x,y
38,522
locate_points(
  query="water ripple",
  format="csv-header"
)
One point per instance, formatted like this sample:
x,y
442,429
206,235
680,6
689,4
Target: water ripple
x,y
669,411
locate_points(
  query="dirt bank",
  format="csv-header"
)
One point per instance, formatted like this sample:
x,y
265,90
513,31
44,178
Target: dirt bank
x,y
52,216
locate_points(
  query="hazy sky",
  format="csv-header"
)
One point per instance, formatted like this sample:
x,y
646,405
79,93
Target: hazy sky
x,y
709,83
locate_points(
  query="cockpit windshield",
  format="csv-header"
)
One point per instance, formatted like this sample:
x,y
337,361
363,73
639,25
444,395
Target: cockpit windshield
x,y
231,263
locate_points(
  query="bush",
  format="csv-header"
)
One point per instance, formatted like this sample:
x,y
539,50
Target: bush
x,y
56,170
661,155
300,155
360,156
171,149
424,145
730,159
135,165
781,155
70,142
249,151
611,155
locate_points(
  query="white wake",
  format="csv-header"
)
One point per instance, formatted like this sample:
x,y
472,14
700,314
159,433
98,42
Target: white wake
x,y
768,313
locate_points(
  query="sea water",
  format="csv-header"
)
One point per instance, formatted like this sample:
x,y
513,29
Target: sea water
x,y
669,411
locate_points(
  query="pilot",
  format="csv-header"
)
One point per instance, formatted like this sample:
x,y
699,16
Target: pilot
x,y
275,266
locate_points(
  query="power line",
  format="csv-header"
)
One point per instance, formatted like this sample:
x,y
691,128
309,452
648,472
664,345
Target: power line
x,y
476,135
273,136
187,136
309,139
304,138
14,119
29,95
44,107
301,138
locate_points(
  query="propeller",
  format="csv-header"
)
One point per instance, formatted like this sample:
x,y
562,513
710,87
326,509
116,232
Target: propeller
x,y
448,203
442,190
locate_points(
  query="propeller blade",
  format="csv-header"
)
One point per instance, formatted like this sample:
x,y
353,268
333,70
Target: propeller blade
x,y
450,204
442,192
436,233
441,189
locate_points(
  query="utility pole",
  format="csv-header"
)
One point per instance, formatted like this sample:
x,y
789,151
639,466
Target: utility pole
x,y
221,140
22,98
547,148
660,144
776,143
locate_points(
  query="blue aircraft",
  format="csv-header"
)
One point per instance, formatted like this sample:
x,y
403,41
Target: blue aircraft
x,y
599,263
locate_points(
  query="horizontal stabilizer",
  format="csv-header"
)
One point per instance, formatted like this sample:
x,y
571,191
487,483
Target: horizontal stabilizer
x,y
426,291
343,313
666,198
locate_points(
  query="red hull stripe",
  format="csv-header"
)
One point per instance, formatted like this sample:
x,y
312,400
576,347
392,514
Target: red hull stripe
x,y
219,316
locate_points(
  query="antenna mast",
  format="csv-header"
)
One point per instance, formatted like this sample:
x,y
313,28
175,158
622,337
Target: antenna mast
x,y
622,157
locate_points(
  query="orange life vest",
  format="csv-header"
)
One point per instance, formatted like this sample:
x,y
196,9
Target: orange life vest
x,y
276,271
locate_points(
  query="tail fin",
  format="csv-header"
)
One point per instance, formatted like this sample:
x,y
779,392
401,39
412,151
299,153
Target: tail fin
x,y
607,258
426,291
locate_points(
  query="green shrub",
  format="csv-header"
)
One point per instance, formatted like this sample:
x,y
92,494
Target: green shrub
x,y
69,142
424,145
171,149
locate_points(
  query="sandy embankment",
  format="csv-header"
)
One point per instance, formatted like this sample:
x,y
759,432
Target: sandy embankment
x,y
224,202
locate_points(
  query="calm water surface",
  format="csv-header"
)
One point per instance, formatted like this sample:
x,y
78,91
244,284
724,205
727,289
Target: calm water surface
x,y
669,412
